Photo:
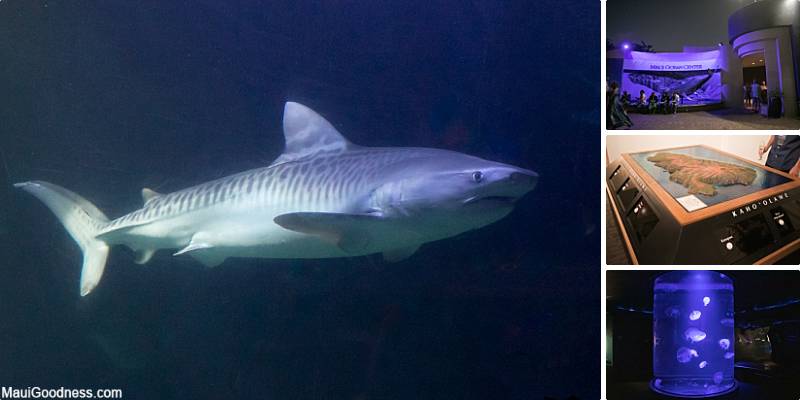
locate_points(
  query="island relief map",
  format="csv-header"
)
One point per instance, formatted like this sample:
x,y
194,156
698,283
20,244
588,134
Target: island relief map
x,y
700,176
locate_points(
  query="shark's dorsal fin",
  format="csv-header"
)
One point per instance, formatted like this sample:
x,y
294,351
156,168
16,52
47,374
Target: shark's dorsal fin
x,y
149,194
307,132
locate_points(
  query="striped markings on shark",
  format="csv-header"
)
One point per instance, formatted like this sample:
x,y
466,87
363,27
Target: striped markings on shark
x,y
323,197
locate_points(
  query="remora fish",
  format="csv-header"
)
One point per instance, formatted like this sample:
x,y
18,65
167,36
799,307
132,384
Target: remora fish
x,y
323,197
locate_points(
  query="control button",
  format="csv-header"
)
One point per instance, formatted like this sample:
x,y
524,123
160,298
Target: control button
x,y
636,210
781,222
729,246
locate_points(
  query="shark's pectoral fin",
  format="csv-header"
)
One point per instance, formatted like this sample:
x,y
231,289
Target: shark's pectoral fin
x,y
351,232
144,255
401,254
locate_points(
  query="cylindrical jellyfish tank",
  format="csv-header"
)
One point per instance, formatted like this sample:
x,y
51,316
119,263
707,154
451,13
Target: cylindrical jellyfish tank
x,y
693,336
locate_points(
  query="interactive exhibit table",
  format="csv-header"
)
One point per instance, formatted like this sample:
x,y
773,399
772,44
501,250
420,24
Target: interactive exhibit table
x,y
699,205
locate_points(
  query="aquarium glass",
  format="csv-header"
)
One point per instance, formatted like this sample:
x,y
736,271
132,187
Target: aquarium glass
x,y
693,334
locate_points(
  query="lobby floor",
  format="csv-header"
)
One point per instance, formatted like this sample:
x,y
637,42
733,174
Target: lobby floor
x,y
718,119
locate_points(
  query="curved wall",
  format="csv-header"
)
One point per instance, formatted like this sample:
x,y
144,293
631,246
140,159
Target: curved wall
x,y
772,27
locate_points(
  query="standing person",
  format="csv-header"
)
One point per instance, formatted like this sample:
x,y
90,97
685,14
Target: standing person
x,y
616,116
784,153
755,94
746,96
676,100
642,101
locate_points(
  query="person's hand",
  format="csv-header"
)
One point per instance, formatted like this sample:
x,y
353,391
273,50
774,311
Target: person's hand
x,y
795,171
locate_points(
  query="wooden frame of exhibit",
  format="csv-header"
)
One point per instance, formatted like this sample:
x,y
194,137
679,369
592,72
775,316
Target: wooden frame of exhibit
x,y
648,184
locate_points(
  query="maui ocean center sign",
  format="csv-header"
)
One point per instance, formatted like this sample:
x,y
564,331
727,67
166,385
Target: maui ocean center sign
x,y
700,61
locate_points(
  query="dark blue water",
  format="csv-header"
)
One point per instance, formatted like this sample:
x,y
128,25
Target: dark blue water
x,y
105,99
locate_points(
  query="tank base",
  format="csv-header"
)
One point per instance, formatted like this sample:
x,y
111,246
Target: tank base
x,y
693,396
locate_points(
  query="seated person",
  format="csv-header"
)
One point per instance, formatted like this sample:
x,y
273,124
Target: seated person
x,y
652,103
663,103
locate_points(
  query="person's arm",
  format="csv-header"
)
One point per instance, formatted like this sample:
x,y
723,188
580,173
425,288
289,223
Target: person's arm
x,y
795,171
767,146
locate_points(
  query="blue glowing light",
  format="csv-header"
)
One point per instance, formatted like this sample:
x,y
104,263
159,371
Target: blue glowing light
x,y
694,335
692,332
685,354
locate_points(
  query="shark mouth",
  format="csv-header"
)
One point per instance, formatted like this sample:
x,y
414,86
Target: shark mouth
x,y
491,199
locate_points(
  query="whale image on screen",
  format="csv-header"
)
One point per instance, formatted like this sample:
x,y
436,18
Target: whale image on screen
x,y
698,177
694,87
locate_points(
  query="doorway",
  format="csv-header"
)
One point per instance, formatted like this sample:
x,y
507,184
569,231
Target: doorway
x,y
753,70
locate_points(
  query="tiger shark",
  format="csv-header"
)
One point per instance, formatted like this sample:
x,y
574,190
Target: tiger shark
x,y
323,197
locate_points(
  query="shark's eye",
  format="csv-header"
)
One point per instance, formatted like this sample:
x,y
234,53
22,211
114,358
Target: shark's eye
x,y
477,176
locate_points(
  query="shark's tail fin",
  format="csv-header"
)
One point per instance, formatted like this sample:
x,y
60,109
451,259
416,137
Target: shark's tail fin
x,y
82,220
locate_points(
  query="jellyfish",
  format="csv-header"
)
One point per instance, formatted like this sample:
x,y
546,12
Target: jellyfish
x,y
706,300
694,335
717,377
657,383
672,312
728,355
685,354
695,315
724,344
702,364
727,322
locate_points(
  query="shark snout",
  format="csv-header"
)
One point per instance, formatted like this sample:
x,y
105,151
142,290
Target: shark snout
x,y
524,178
